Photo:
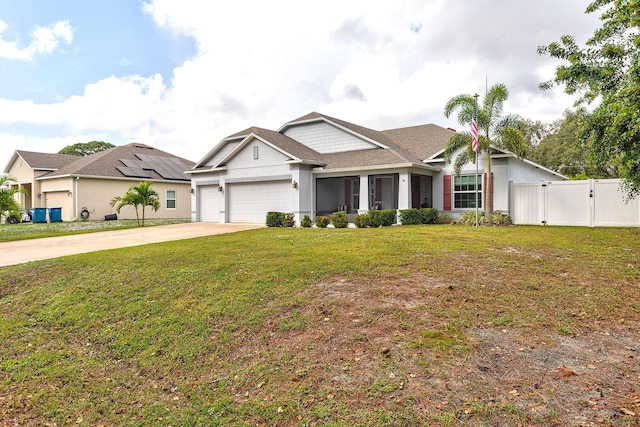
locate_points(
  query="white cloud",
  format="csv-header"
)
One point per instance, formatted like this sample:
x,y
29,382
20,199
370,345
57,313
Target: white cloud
x,y
44,40
376,63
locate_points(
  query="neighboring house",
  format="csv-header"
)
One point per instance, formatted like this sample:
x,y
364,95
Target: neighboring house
x,y
84,186
317,165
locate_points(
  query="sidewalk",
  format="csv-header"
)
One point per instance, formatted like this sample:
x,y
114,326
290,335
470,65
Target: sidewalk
x,y
18,252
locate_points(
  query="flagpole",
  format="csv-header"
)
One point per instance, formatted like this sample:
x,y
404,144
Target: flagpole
x,y
476,189
475,144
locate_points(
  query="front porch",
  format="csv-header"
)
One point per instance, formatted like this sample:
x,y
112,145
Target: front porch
x,y
357,194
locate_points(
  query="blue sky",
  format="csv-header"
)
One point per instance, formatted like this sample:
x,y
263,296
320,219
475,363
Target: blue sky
x,y
182,75
112,37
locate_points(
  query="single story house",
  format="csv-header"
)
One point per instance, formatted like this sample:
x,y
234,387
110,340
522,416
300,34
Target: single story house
x,y
317,165
83,187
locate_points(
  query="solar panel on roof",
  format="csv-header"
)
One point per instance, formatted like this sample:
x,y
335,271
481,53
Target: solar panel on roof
x,y
133,172
166,167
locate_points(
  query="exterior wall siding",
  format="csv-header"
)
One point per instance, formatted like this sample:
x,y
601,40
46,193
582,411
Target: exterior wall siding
x,y
96,194
270,162
229,147
325,138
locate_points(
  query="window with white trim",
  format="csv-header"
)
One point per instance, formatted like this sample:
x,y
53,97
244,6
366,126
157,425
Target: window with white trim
x,y
465,188
171,199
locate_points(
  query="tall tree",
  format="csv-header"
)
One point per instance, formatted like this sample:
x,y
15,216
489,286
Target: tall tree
x,y
84,149
138,195
607,72
494,131
8,204
562,150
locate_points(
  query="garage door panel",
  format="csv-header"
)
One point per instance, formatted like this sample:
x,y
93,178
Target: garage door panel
x,y
210,202
250,202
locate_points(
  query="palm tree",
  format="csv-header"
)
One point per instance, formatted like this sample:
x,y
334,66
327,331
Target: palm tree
x,y
129,199
8,204
494,131
138,195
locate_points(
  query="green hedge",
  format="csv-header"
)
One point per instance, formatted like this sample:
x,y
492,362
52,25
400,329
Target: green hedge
x,y
306,222
275,219
419,216
339,219
410,217
362,220
383,218
322,221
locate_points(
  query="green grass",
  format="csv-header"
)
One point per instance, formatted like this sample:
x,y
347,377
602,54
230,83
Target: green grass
x,y
25,231
288,326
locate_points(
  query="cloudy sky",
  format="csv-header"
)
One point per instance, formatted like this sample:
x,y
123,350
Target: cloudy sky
x,y
180,76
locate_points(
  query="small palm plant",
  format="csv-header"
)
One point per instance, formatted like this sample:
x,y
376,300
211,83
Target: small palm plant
x,y
8,204
138,195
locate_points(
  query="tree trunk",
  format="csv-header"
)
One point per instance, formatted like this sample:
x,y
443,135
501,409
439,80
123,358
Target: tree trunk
x,y
488,208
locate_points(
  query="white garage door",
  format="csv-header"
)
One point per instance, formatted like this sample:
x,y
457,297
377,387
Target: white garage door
x,y
209,203
250,202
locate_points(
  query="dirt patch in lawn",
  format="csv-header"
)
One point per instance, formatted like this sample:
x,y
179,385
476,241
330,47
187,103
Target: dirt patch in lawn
x,y
390,343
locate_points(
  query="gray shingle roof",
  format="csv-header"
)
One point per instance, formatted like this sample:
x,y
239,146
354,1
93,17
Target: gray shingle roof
x,y
423,141
403,145
289,145
109,163
45,161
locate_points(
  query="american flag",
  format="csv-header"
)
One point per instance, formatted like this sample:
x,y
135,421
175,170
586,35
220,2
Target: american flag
x,y
474,127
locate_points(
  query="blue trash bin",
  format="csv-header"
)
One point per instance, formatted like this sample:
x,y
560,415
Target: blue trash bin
x,y
39,215
55,214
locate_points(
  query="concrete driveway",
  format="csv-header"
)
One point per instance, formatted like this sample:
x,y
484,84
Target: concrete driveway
x,y
12,253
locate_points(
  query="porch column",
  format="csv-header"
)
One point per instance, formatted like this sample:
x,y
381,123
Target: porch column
x,y
302,193
364,194
224,214
404,190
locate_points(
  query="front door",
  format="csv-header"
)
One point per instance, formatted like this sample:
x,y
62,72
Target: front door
x,y
415,191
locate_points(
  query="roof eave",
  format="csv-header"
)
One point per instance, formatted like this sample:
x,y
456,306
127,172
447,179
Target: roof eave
x,y
208,170
119,178
217,148
377,167
306,162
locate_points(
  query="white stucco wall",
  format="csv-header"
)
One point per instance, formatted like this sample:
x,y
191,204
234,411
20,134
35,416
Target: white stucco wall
x,y
505,170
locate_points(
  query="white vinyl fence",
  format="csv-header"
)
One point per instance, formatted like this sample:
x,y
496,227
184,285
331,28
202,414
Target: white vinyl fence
x,y
591,203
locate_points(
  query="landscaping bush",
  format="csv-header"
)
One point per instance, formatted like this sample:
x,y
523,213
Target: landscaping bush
x,y
306,222
410,216
500,218
322,221
383,218
362,220
339,219
275,219
428,215
289,219
469,218
445,218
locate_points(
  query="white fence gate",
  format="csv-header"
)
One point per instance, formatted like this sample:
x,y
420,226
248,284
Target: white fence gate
x,y
591,203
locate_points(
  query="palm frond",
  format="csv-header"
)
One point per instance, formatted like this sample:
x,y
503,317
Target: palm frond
x,y
458,141
494,101
461,160
464,103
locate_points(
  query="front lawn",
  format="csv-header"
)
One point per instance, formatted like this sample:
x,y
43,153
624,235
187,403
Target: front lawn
x,y
408,325
24,231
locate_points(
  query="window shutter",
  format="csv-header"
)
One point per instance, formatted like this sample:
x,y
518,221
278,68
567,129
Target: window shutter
x,y
446,199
